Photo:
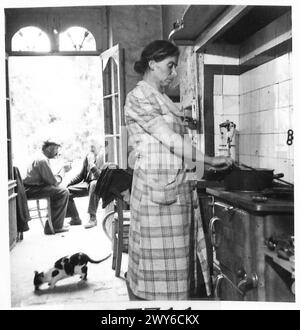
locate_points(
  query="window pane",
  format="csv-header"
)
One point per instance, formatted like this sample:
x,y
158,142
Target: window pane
x,y
77,39
32,39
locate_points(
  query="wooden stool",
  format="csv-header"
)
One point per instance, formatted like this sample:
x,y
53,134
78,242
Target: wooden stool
x,y
39,209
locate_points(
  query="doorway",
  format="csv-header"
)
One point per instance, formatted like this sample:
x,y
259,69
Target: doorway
x,y
57,98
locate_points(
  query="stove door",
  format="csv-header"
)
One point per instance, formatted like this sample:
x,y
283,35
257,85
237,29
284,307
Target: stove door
x,y
230,230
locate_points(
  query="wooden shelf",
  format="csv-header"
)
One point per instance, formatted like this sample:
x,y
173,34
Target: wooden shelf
x,y
288,265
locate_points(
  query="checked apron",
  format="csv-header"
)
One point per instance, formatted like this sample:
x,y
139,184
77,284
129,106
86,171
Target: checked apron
x,y
166,234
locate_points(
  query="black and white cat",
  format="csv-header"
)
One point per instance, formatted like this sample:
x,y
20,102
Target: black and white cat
x,y
65,267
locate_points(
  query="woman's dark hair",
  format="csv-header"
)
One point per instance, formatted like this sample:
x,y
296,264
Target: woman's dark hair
x,y
157,50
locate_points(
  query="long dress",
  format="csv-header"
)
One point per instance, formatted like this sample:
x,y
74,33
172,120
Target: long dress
x,y
166,233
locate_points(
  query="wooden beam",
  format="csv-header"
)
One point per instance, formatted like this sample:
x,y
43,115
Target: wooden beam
x,y
62,53
221,24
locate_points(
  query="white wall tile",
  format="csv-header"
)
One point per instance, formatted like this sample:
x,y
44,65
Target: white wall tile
x,y
255,123
251,80
243,144
254,144
291,92
258,77
266,148
282,68
245,124
218,120
283,120
231,85
218,84
292,117
266,121
218,104
267,162
291,151
269,97
282,150
244,103
270,73
255,161
284,94
290,56
244,82
254,101
290,175
230,105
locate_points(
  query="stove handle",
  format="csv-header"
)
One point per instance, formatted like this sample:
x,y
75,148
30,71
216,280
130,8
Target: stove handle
x,y
219,279
224,206
212,232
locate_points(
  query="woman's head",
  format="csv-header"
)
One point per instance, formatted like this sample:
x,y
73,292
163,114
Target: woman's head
x,y
157,51
158,62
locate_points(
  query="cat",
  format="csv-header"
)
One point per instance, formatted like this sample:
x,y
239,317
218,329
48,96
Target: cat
x,y
65,267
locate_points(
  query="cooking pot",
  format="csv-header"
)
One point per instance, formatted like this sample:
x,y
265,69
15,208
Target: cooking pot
x,y
250,179
245,178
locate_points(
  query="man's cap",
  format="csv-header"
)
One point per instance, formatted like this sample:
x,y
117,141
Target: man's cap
x,y
50,143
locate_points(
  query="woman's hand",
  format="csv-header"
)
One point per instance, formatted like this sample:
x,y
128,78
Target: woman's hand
x,y
221,163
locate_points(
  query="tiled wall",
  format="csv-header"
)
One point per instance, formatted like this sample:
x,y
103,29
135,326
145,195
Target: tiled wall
x,y
266,114
260,100
260,103
226,107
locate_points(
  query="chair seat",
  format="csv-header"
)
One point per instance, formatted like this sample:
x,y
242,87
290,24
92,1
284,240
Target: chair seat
x,y
120,235
42,211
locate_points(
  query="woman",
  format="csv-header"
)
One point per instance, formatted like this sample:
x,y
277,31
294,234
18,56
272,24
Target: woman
x,y
166,231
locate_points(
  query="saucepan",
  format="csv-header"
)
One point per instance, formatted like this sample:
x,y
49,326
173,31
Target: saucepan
x,y
246,178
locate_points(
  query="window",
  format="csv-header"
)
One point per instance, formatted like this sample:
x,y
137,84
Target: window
x,y
32,39
77,38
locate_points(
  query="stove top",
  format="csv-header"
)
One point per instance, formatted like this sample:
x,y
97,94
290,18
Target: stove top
x,y
279,193
271,200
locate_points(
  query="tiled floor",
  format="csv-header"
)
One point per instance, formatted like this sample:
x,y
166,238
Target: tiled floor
x,y
39,252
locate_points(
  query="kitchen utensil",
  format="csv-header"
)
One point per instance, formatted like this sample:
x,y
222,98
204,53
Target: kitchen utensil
x,y
276,177
249,178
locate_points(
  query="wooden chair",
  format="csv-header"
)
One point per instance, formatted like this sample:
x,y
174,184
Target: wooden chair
x,y
116,226
40,212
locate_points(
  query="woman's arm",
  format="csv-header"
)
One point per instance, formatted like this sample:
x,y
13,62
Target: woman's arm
x,y
147,113
183,147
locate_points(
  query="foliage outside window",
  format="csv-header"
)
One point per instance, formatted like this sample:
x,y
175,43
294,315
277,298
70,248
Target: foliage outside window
x,y
32,39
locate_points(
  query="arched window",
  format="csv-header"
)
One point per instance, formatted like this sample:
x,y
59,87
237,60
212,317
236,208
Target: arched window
x,y
77,38
30,39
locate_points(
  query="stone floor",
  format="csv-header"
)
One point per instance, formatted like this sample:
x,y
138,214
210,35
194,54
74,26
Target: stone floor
x,y
39,252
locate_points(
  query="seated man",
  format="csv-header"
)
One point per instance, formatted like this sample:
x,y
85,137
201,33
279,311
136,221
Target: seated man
x,y
84,185
40,181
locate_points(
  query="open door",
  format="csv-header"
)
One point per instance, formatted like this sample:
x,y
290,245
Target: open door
x,y
112,101
12,184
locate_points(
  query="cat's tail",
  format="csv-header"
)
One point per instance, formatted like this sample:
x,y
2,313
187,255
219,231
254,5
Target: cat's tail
x,y
98,261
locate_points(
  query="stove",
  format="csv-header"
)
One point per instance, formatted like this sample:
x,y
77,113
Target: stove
x,y
241,226
277,199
